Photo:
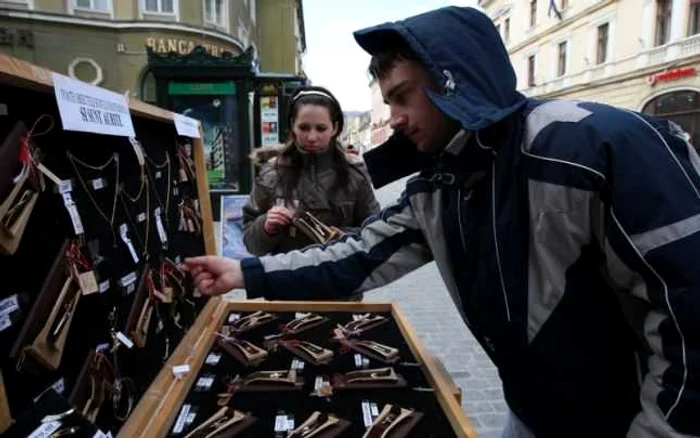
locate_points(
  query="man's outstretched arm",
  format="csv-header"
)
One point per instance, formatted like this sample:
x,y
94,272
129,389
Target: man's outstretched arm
x,y
390,245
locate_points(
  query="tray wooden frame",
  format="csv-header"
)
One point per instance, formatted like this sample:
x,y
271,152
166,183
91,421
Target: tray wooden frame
x,y
156,412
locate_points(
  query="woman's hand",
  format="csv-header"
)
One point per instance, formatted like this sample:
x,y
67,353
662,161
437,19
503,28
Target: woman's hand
x,y
215,275
277,220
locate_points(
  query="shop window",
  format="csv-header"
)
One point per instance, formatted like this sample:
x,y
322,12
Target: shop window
x,y
682,107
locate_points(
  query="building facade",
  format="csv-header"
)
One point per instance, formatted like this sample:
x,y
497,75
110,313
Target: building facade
x,y
201,58
638,54
380,116
356,129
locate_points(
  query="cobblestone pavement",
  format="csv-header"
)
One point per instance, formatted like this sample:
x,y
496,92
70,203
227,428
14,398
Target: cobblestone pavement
x,y
422,297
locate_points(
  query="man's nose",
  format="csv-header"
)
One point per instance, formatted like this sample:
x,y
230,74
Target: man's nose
x,y
398,122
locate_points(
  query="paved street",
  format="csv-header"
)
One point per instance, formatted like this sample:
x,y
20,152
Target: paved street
x,y
426,303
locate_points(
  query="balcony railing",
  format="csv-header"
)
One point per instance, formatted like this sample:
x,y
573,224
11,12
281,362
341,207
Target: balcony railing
x,y
672,51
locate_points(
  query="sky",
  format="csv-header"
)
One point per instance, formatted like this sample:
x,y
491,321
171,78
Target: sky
x,y
333,59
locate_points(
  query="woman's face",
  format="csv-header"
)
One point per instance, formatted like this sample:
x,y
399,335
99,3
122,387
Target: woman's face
x,y
313,128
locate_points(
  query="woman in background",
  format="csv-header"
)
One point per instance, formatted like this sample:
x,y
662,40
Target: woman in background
x,y
311,173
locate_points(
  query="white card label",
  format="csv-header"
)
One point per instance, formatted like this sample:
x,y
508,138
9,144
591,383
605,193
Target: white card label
x,y
65,186
284,423
191,417
104,286
366,414
181,419
98,183
159,174
297,364
5,322
234,316
186,126
205,382
141,217
161,229
87,108
130,288
124,340
300,315
123,230
59,386
45,430
128,279
9,305
73,213
101,347
213,359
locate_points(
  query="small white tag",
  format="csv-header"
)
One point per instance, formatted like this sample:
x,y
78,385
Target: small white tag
x,y
141,217
161,229
59,386
284,423
98,183
104,286
88,282
233,317
181,419
213,359
130,288
361,361
186,126
9,305
178,259
191,417
159,174
45,430
125,238
356,316
180,370
5,322
159,326
73,213
205,382
297,364
176,191
374,410
124,340
99,434
366,414
65,186
318,382
101,347
128,279
300,315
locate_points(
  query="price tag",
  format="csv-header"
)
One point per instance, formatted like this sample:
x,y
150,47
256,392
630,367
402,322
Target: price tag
x,y
9,305
124,340
284,423
123,230
128,279
370,412
73,213
186,126
59,386
45,430
5,322
88,282
141,217
98,183
300,315
181,419
213,359
159,174
297,364
65,186
361,361
205,382
160,228
233,317
104,286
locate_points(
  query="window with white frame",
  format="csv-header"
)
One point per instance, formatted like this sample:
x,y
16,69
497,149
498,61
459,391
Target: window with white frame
x,y
531,66
159,6
664,9
602,42
694,17
561,58
253,11
93,5
215,12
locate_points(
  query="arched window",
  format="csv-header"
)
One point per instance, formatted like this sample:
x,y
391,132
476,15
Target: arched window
x,y
682,107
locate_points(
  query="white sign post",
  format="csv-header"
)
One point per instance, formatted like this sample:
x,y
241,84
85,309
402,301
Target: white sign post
x,y
87,108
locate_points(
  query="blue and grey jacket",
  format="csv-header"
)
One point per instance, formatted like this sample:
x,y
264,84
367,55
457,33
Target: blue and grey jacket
x,y
567,233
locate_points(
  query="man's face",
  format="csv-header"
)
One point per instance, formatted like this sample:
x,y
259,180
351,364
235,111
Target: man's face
x,y
412,113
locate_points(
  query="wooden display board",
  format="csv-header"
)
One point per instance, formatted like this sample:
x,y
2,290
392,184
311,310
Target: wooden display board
x,y
156,412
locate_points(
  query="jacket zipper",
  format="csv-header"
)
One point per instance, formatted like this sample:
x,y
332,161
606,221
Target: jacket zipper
x,y
495,238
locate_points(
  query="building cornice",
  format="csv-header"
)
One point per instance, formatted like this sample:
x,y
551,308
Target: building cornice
x,y
561,25
119,24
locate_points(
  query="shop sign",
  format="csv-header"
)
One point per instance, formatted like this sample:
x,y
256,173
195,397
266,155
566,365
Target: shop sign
x,y
672,75
183,47
16,37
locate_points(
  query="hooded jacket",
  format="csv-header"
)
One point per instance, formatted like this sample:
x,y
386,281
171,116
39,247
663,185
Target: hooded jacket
x,y
344,208
567,233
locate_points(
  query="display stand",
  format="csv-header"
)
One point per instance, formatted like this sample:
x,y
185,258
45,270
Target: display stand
x,y
99,317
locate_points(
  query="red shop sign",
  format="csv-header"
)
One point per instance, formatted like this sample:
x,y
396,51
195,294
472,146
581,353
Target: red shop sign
x,y
671,75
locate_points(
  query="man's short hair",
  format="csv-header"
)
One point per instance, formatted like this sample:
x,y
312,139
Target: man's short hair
x,y
383,59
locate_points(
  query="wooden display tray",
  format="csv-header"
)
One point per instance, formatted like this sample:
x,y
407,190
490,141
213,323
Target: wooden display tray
x,y
156,412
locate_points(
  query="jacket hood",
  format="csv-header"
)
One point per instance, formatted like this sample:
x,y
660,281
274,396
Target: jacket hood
x,y
466,58
464,53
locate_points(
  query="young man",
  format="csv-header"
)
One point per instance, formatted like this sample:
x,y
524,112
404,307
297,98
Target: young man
x,y
566,232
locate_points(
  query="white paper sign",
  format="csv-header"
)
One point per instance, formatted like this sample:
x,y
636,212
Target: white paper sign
x,y
87,108
186,126
9,305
